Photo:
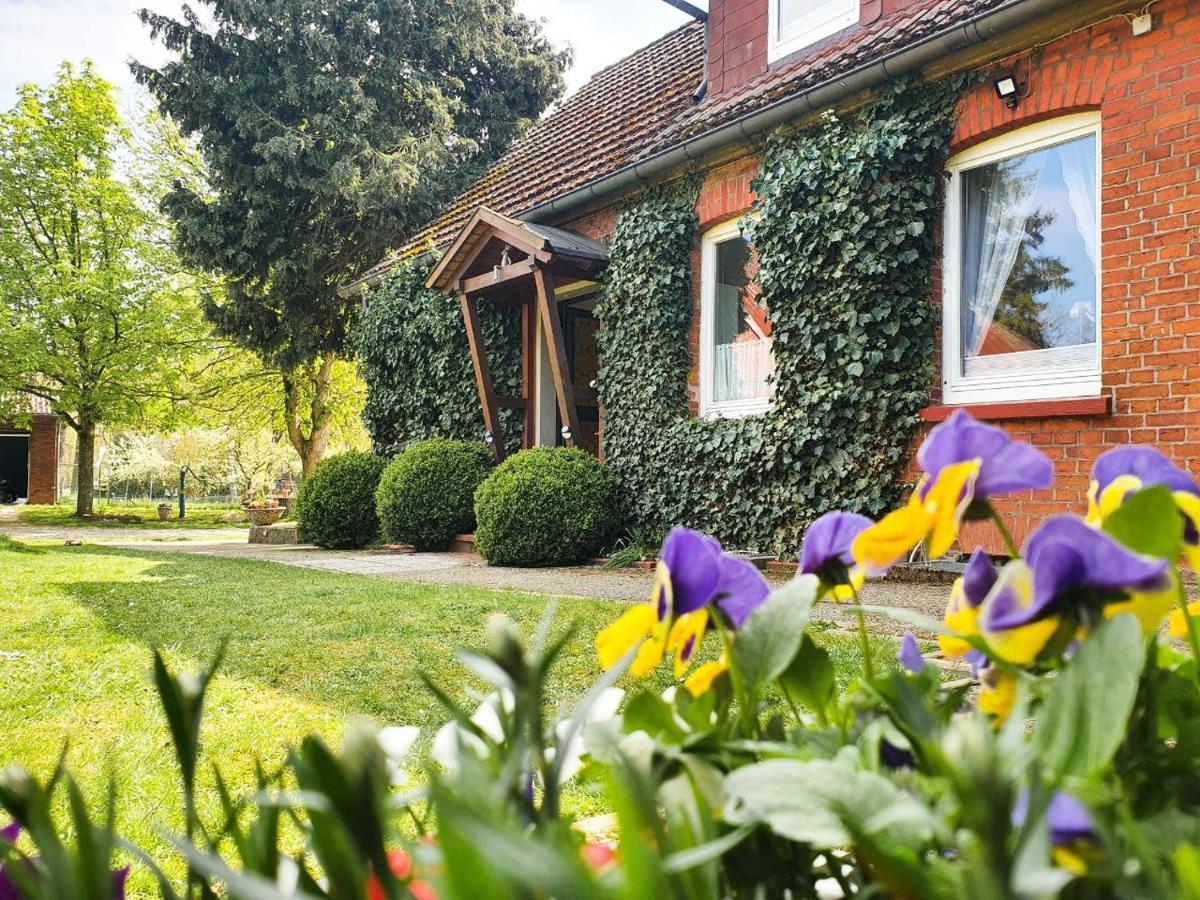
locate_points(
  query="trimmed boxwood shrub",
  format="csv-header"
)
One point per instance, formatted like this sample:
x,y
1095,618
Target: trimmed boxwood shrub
x,y
336,505
547,506
427,493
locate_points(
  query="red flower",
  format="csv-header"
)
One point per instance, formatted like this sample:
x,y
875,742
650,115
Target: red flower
x,y
402,867
597,856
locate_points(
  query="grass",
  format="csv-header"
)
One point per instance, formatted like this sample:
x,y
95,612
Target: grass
x,y
309,651
130,515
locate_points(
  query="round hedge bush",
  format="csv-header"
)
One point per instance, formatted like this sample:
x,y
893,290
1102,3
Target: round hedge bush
x,y
427,493
336,505
547,506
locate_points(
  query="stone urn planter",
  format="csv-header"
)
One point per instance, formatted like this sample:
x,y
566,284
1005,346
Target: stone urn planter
x,y
164,511
265,515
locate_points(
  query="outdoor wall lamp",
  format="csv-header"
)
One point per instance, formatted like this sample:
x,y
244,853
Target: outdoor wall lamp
x,y
488,438
566,432
1007,90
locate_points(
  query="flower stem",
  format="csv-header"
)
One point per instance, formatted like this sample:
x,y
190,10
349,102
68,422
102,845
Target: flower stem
x,y
1005,535
868,663
1189,622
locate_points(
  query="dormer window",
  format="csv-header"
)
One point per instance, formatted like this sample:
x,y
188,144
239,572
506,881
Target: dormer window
x,y
795,24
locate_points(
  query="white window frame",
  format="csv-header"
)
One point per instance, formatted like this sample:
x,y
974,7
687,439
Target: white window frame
x,y
1049,384
710,408
777,49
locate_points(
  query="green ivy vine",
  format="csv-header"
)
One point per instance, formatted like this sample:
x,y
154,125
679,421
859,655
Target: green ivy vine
x,y
412,350
844,229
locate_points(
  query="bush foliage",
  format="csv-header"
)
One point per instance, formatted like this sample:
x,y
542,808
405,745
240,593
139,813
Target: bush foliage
x,y
843,227
427,493
335,508
547,506
412,350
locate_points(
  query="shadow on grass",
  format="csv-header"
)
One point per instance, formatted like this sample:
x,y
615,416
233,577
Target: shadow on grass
x,y
351,642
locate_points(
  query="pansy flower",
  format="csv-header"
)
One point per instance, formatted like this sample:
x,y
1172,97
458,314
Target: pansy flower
x,y
693,581
826,553
964,463
909,655
1072,572
962,609
997,693
1126,470
10,886
1073,837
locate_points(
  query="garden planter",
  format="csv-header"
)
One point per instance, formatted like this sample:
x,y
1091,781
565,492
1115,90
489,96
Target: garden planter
x,y
264,515
164,511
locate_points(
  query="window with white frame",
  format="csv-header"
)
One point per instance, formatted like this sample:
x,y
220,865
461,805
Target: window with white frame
x,y
736,363
1021,301
794,24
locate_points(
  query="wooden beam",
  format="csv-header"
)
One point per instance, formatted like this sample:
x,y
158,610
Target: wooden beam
x,y
479,283
510,402
552,326
483,375
529,349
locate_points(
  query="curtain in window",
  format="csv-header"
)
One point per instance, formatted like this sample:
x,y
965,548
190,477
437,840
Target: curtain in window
x,y
998,201
1079,174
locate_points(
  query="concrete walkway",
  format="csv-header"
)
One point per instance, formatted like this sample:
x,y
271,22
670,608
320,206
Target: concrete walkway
x,y
454,568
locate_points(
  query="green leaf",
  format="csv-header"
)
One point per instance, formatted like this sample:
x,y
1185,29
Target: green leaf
x,y
770,638
806,801
1083,720
1148,522
810,677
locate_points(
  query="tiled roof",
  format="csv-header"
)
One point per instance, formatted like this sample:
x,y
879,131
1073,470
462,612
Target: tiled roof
x,y
839,56
645,104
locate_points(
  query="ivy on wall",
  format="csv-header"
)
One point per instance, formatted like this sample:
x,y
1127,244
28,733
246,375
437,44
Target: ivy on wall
x,y
844,230
412,349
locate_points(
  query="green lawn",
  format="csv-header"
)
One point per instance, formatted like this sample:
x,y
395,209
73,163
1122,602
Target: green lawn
x,y
131,515
308,651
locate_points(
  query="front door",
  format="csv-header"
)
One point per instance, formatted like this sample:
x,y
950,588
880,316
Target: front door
x,y
580,329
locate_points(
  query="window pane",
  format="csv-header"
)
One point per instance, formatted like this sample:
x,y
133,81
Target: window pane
x,y
742,360
799,16
1029,275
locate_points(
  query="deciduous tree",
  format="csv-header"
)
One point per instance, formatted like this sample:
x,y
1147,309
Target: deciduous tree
x,y
98,318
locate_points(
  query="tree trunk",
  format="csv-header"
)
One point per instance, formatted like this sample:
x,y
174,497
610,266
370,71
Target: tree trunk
x,y
316,381
85,461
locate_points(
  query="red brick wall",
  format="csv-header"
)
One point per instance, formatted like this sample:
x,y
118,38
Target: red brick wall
x,y
43,458
1148,92
737,42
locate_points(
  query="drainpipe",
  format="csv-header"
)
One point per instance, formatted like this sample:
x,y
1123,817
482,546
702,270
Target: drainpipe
x,y
983,27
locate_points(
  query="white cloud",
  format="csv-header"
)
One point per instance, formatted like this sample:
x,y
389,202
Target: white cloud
x,y
37,35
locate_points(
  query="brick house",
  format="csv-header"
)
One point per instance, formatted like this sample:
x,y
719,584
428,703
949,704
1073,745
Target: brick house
x,y
29,456
1075,162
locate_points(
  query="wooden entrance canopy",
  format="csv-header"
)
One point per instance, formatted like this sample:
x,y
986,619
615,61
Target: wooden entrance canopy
x,y
504,260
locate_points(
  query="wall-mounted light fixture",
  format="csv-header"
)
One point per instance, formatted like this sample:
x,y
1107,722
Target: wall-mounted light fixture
x,y
488,438
566,432
1008,90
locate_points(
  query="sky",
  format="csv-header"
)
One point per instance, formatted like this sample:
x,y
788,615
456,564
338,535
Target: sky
x,y
35,35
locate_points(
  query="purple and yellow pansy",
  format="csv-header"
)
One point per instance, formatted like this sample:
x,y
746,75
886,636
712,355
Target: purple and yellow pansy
x,y
1073,837
826,553
1123,471
1070,575
693,582
962,610
965,463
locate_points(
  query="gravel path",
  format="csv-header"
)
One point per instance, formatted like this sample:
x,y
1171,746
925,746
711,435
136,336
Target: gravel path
x,y
458,568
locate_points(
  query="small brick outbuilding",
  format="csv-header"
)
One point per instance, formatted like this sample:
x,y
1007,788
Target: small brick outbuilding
x,y
29,456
